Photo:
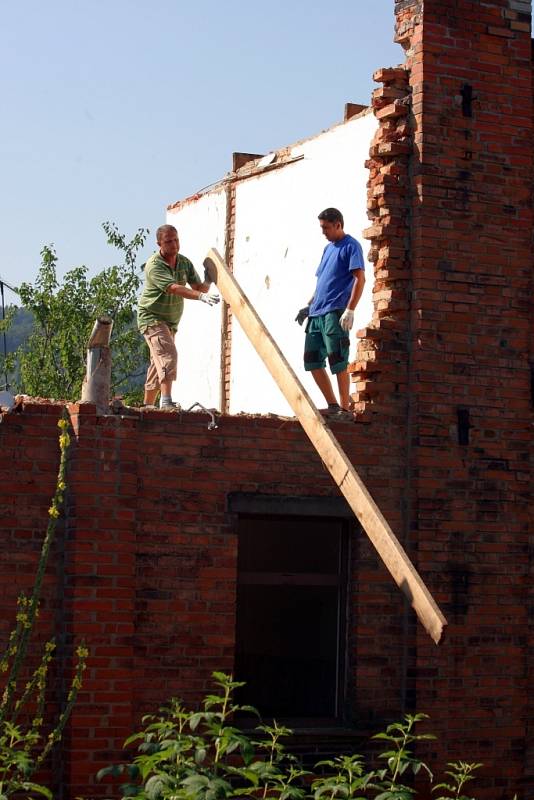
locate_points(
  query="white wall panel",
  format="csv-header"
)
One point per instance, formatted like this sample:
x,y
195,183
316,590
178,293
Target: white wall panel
x,y
201,225
278,246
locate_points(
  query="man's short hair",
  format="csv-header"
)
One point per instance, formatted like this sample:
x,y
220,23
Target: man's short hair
x,y
164,229
331,215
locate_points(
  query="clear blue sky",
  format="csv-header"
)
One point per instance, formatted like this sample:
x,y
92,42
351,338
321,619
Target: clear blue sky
x,y
112,109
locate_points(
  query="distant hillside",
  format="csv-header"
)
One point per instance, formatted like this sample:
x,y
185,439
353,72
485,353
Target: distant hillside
x,y
19,330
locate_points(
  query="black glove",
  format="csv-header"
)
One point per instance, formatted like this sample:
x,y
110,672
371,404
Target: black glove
x,y
207,276
302,315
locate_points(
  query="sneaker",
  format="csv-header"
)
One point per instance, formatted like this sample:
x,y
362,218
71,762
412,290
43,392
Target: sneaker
x,y
343,416
172,405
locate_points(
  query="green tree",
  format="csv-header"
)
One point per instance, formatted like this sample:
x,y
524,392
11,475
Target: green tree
x,y
51,363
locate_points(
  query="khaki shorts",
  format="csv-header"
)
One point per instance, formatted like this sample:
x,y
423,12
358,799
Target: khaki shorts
x,y
163,355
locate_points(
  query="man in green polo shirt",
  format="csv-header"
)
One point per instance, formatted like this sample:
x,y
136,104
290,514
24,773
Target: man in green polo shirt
x,y
160,307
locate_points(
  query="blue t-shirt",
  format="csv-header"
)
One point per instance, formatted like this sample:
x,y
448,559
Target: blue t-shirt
x,y
334,275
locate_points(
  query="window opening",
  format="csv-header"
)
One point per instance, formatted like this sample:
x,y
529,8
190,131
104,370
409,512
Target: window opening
x,y
291,615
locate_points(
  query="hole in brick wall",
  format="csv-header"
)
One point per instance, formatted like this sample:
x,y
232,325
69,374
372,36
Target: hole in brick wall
x,y
463,425
467,100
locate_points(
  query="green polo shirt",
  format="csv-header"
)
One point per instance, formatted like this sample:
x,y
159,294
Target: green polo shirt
x,y
154,304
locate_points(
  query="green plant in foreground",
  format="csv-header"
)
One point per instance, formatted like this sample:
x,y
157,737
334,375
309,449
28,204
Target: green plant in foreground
x,y
460,773
345,779
203,755
400,759
22,708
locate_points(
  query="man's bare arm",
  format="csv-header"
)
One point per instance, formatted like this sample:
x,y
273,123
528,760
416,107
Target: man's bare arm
x,y
192,293
357,288
346,320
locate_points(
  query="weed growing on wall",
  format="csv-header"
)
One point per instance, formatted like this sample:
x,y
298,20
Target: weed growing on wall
x,y
23,743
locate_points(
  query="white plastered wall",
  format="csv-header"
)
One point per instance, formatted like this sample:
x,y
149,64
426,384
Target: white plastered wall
x,y
201,225
278,246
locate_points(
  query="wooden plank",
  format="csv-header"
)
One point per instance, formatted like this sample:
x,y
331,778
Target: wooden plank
x,y
347,479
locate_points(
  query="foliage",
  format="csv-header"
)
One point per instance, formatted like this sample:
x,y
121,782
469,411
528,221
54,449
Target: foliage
x,y
22,708
51,361
400,759
346,778
203,755
459,773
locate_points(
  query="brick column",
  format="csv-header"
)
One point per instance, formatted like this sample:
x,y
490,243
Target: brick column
x,y
471,258
99,592
227,317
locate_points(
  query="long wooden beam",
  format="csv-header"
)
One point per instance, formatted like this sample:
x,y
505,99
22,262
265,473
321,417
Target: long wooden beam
x,y
347,479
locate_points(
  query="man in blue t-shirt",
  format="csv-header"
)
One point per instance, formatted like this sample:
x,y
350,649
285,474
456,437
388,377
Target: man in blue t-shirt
x,y
340,282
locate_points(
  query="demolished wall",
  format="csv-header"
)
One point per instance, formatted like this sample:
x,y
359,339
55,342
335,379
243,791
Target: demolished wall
x,y
449,350
443,439
272,242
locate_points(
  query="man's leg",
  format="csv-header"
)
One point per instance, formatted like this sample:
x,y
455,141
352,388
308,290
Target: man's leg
x,y
151,384
162,370
314,358
150,397
322,380
343,383
337,345
166,392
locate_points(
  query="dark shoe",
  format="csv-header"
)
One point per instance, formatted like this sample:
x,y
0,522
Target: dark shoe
x,y
337,414
343,416
331,411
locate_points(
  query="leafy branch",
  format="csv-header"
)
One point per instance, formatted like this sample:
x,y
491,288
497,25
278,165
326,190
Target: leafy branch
x,y
51,362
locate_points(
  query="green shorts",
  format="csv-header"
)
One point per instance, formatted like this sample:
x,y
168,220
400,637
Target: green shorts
x,y
326,339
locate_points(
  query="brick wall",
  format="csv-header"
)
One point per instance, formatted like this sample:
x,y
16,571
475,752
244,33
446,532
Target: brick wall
x,y
145,562
145,566
472,287
145,572
461,326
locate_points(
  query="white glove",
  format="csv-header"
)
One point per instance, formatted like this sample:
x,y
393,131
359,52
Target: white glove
x,y
346,320
209,299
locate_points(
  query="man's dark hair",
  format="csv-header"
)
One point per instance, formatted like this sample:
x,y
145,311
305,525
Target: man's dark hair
x,y
331,215
164,229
